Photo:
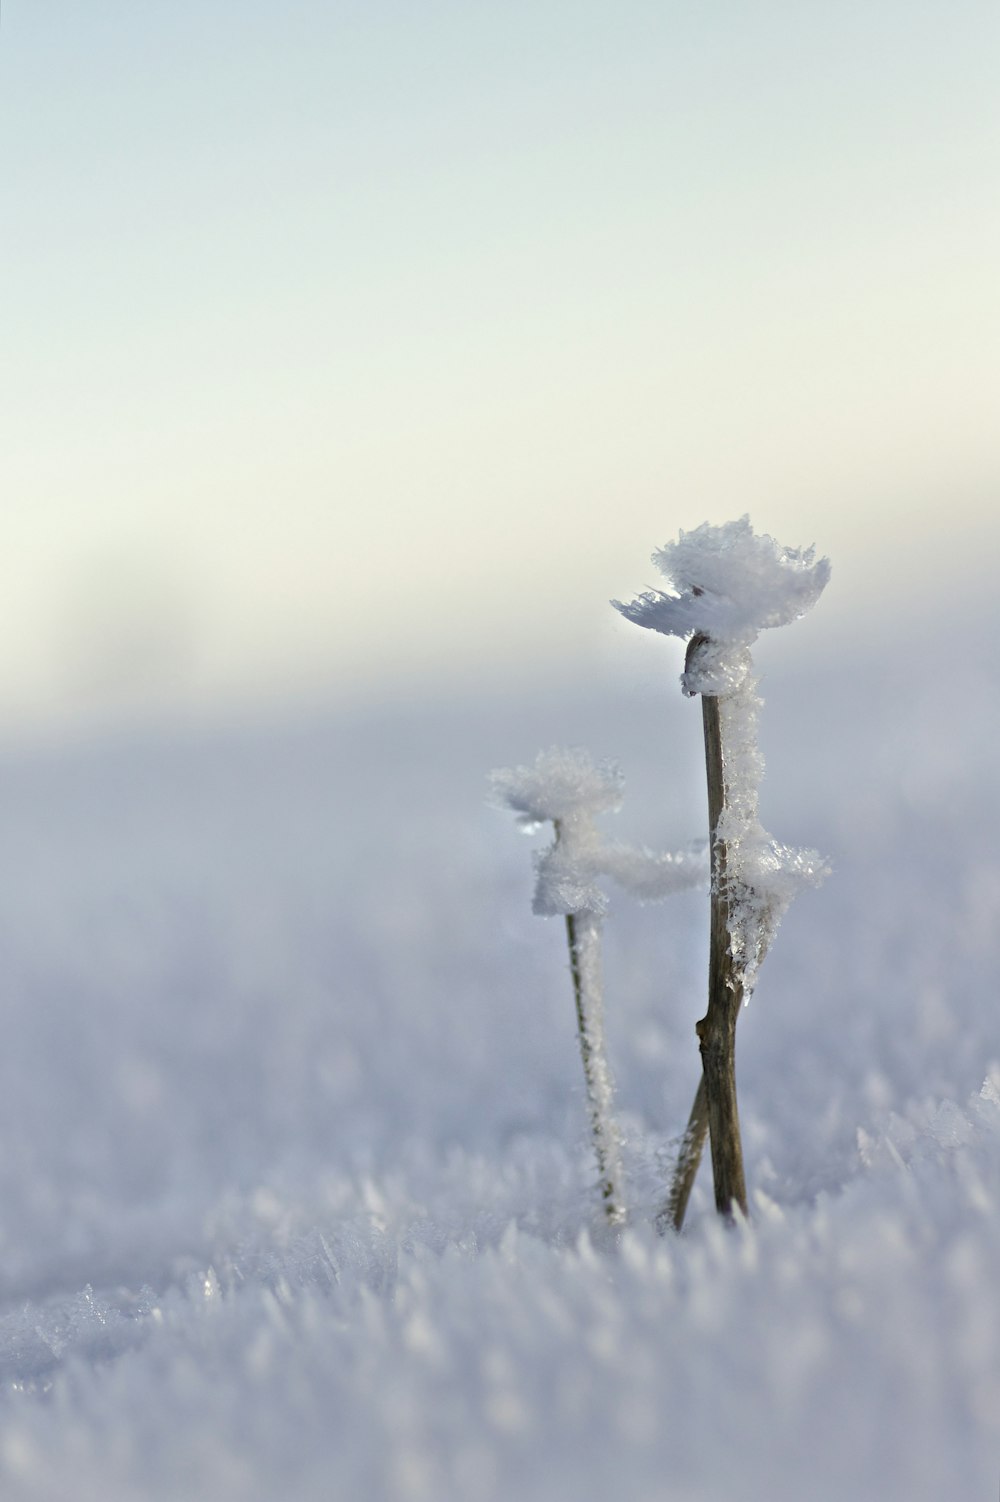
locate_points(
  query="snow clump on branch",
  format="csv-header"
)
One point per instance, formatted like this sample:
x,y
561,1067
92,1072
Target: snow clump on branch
x,y
729,584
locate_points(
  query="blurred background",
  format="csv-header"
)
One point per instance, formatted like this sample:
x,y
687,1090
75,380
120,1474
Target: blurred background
x,y
361,350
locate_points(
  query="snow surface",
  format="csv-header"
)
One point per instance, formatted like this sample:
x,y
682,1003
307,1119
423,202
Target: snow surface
x,y
296,1182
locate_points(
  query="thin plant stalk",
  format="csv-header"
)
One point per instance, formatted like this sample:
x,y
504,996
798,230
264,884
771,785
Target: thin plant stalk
x,y
671,1216
583,935
714,1112
717,1029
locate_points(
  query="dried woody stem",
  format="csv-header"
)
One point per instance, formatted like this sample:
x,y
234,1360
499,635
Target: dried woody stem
x,y
717,1029
714,1110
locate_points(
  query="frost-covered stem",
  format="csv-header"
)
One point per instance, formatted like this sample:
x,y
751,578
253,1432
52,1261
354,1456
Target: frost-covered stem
x,y
583,933
671,1216
584,936
727,585
717,1029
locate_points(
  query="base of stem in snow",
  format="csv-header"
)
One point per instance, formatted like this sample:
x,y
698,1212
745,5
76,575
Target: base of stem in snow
x,y
671,1215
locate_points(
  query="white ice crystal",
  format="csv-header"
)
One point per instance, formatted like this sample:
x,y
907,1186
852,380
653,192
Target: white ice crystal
x,y
561,784
564,785
650,876
729,584
565,877
762,876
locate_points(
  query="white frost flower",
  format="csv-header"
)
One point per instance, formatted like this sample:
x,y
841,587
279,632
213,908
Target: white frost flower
x,y
566,786
729,584
560,784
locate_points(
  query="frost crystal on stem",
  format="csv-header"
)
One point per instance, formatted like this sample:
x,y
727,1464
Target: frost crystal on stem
x,y
728,585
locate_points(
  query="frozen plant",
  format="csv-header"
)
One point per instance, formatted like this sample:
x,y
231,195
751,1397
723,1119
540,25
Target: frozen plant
x,y
568,789
565,786
728,584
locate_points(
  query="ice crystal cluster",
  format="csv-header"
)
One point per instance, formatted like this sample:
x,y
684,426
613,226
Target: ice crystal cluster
x,y
565,786
728,584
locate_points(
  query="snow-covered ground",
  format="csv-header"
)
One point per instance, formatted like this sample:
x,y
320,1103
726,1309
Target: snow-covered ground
x,y
296,1193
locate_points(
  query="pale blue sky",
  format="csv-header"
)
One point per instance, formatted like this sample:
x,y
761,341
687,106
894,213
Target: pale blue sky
x,y
346,341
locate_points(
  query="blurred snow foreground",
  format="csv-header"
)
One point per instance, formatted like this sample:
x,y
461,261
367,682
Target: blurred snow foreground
x,y
296,1199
